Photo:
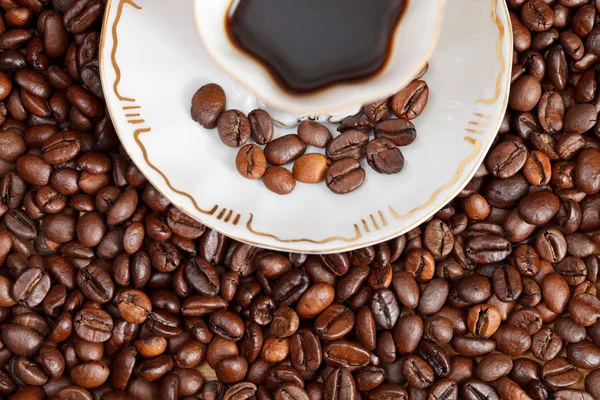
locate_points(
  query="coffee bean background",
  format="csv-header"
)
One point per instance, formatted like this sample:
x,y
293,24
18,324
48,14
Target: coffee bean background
x,y
109,292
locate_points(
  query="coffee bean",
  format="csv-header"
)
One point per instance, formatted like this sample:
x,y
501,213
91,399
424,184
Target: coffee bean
x,y
284,149
506,159
546,344
262,126
134,306
345,176
279,180
314,134
378,110
410,101
311,168
525,93
488,248
353,123
346,354
555,291
586,171
340,385
399,131
251,162
560,373
512,340
483,320
234,128
417,372
349,144
93,325
384,157
551,112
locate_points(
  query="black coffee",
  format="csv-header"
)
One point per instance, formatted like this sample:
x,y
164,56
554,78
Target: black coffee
x,y
311,44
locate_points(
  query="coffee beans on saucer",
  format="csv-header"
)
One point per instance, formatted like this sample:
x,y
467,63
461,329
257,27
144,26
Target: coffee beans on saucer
x,y
373,135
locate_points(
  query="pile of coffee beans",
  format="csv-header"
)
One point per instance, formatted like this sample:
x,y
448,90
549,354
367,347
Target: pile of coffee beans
x,y
109,292
340,167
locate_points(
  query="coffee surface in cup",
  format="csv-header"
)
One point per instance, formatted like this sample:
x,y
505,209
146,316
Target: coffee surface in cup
x,y
311,44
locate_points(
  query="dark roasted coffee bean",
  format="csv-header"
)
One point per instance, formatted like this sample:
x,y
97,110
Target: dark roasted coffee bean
x,y
560,373
399,131
385,308
349,144
262,126
352,123
279,180
506,158
93,325
284,149
208,104
345,176
410,102
234,128
346,354
384,157
314,134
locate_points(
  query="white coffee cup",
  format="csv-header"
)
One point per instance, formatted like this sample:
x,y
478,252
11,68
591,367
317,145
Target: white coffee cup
x,y
414,41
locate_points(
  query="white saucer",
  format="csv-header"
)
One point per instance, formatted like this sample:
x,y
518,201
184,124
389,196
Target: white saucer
x,y
152,62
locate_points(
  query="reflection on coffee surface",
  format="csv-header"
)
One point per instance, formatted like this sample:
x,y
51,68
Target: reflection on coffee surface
x,y
310,44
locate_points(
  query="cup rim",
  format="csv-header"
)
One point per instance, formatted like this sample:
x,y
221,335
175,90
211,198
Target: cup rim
x,y
294,107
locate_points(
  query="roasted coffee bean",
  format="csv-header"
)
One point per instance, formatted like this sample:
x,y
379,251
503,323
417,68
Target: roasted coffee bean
x,y
311,168
506,158
385,308
483,320
525,93
262,126
251,162
349,144
279,180
346,354
345,176
384,157
314,134
234,128
560,373
399,131
284,149
410,101
507,284
93,325
353,123
208,104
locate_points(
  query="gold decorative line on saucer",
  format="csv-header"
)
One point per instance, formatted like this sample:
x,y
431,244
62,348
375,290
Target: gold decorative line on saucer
x,y
113,55
478,124
228,217
132,115
366,226
499,51
136,121
220,216
131,107
374,222
237,219
457,175
327,240
382,218
478,131
136,136
486,116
